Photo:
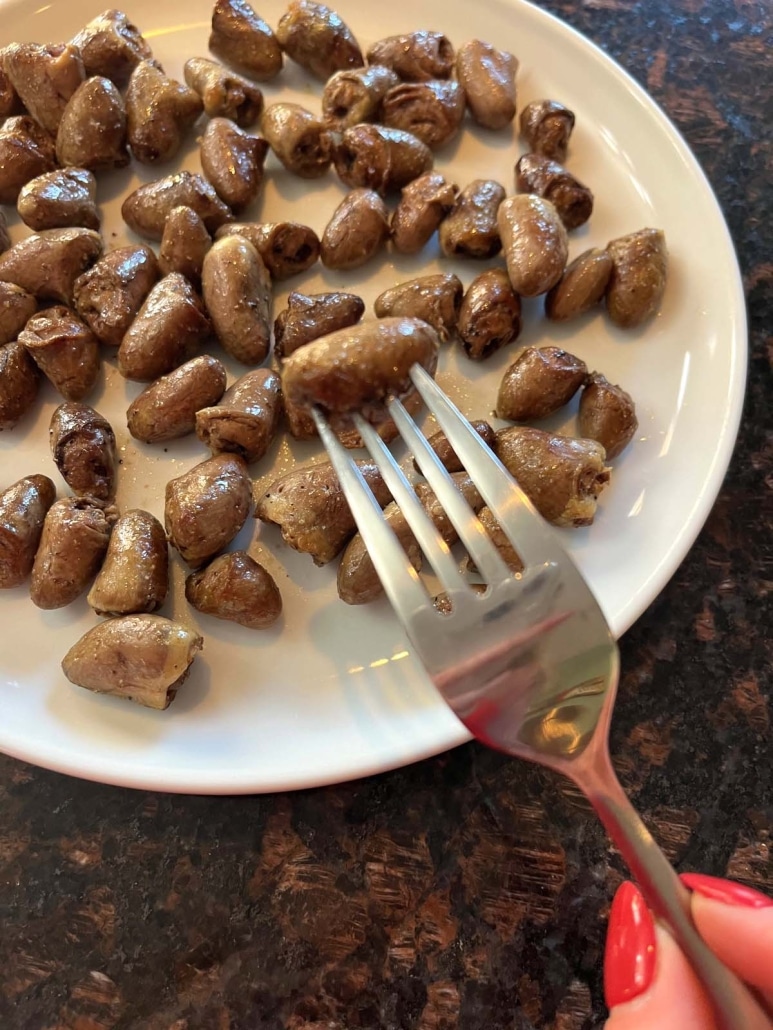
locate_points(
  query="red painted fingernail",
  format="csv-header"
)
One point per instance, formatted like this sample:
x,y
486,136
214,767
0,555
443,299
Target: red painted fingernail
x,y
725,890
629,959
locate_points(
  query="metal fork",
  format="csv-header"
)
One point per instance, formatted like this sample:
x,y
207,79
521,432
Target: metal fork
x,y
530,666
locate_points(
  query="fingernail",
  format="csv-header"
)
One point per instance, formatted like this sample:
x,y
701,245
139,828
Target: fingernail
x,y
725,890
629,959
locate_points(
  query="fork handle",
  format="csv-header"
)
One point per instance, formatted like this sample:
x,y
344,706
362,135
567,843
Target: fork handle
x,y
734,1005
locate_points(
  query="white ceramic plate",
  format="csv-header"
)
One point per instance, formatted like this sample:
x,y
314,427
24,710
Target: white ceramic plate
x,y
332,692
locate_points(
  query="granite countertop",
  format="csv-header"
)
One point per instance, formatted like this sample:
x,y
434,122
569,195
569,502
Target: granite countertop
x,y
468,891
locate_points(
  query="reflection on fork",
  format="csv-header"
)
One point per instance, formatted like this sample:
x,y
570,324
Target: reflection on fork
x,y
529,665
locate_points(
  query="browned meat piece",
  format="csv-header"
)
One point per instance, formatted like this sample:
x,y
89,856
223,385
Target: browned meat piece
x,y
224,94
470,229
83,445
143,658
135,573
581,287
72,547
233,160
357,231
206,507
110,294
546,126
534,242
19,383
307,317
638,279
540,381
170,326
359,368
237,292
60,200
573,201
487,76
9,98
92,132
435,299
309,507
379,158
64,349
424,203
247,418
159,113
48,263
45,76
26,151
561,476
23,508
490,315
354,96
287,248
167,408
237,588
298,138
432,111
184,245
146,209
415,56
316,38
110,45
607,414
16,308
243,40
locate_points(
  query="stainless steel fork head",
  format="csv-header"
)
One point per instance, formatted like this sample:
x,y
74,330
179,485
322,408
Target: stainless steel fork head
x,y
527,665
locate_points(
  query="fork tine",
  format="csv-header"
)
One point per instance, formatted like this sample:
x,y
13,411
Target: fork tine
x,y
472,534
527,531
399,578
422,527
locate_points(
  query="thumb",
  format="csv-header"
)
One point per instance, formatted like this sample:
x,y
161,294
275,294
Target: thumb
x,y
647,980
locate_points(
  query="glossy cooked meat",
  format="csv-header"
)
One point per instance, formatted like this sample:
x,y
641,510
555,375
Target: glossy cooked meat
x,y
83,445
26,151
309,507
19,383
309,316
540,381
60,199
23,508
246,419
237,588
487,76
490,315
142,658
110,294
92,132
359,368
167,408
65,350
48,263
318,39
206,507
562,476
71,550
135,573
434,299
168,330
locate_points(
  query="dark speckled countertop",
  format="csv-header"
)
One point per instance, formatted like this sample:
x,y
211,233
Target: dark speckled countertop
x,y
468,891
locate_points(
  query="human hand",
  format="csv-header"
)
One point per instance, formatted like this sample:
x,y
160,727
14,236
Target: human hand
x,y
649,983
